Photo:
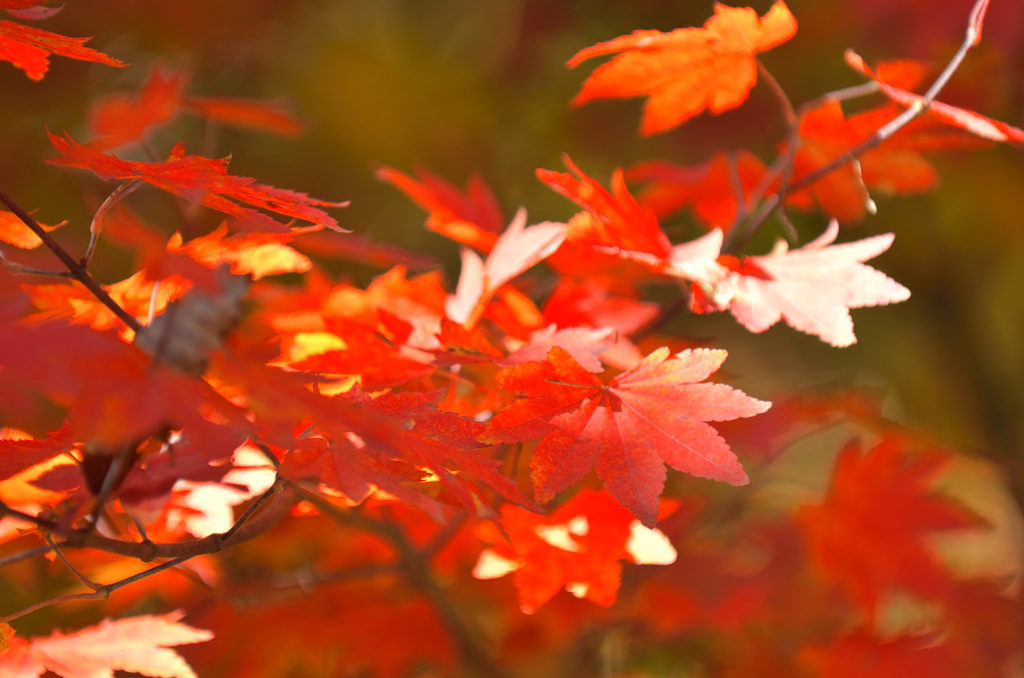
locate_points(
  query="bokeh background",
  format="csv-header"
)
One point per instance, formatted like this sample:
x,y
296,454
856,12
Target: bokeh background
x,y
462,86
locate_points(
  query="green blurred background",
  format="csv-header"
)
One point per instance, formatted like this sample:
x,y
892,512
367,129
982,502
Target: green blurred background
x,y
462,86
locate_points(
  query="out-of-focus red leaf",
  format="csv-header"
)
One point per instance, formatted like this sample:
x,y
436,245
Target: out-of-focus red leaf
x,y
30,48
32,10
134,294
203,180
271,116
137,644
861,655
868,534
688,70
471,217
628,428
18,455
716,188
119,118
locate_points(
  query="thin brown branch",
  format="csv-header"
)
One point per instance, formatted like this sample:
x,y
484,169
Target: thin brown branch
x,y
971,38
71,568
99,592
24,555
274,511
416,568
901,120
76,269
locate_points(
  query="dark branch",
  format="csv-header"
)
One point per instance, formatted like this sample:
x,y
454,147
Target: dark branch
x,y
76,269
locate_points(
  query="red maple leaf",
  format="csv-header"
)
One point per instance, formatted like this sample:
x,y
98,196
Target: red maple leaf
x,y
629,428
30,48
204,180
812,288
868,534
580,547
120,118
688,70
137,644
255,254
613,219
269,116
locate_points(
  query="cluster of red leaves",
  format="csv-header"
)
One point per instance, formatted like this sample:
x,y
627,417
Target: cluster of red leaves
x,y
414,401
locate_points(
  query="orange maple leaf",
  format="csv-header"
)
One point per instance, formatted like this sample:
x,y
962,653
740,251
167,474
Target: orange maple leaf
x,y
651,415
30,48
256,254
204,180
688,70
612,222
580,547
14,231
18,455
896,166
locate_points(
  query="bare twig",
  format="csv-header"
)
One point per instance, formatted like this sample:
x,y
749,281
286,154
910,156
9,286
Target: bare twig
x,y
971,38
24,555
71,568
272,514
901,120
101,592
77,271
245,528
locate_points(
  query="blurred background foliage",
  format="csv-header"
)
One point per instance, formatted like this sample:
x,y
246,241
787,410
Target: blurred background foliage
x,y
458,86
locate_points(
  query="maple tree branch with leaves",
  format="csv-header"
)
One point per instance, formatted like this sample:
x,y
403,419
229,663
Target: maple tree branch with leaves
x,y
269,437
